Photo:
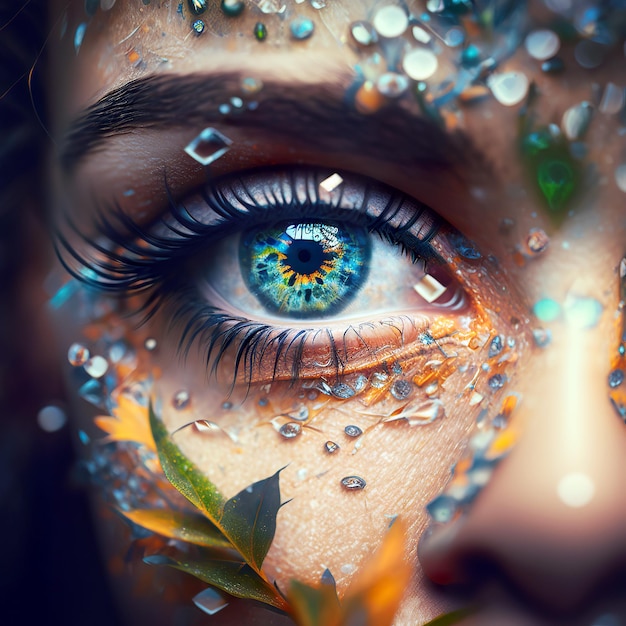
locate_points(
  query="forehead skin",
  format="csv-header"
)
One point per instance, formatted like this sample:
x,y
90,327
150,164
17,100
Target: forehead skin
x,y
133,41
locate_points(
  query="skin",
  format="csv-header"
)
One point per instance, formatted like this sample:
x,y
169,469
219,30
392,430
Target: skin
x,y
523,554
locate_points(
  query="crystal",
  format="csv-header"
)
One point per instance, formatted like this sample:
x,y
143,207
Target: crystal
x,y
401,389
390,21
421,35
620,177
429,288
363,33
232,8
392,85
290,430
197,7
331,447
301,28
546,309
318,4
497,381
420,63
379,380
78,354
181,400
353,483
616,378
198,26
454,37
556,181
508,88
208,146
150,344
442,508
542,337
331,183
96,366
51,418
302,414
270,6
353,431
260,32
79,36
553,66
94,393
211,601
542,44
612,99
576,120
343,391
251,85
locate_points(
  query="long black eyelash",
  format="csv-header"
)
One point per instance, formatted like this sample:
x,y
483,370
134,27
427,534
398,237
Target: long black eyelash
x,y
128,259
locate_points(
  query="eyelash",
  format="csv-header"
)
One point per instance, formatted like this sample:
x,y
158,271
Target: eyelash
x,y
136,261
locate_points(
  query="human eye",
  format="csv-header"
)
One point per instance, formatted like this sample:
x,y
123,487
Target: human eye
x,y
277,275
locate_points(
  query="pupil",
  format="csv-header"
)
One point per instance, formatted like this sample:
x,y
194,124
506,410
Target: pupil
x,y
305,257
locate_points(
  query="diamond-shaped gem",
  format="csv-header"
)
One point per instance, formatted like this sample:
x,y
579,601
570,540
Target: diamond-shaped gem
x,y
208,146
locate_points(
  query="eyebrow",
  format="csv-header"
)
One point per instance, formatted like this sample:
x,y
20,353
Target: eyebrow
x,y
316,114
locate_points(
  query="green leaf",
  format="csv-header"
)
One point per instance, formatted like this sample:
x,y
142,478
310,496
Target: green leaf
x,y
187,527
315,606
251,516
454,617
232,576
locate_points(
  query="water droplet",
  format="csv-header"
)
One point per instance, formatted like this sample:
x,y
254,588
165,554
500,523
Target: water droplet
x,y
210,601
353,431
401,389
331,447
232,8
390,21
576,120
198,26
392,85
78,354
379,380
343,391
508,88
51,418
260,31
497,381
150,344
542,44
421,35
537,241
181,400
290,430
301,28
495,347
454,37
441,509
353,483
542,337
620,177
616,378
363,33
208,146
197,7
302,414
420,64
96,366
589,54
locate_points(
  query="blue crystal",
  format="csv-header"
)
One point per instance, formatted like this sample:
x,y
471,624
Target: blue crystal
x,y
470,56
616,378
442,508
301,28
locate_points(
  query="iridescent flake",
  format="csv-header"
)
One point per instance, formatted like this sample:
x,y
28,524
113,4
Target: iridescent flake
x,y
181,400
301,28
198,27
542,44
352,431
197,7
353,483
508,88
331,447
77,354
363,33
420,63
260,31
208,146
390,21
305,269
210,601
290,430
232,8
497,381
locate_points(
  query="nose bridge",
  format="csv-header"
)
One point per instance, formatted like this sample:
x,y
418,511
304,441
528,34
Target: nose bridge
x,y
553,517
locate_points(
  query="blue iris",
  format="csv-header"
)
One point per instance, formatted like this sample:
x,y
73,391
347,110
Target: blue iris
x,y
305,269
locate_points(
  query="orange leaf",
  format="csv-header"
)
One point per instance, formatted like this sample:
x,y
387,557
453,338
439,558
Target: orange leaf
x,y
129,423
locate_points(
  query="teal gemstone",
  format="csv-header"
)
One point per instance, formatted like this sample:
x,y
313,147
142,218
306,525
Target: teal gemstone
x,y
233,8
198,26
470,56
260,31
301,28
556,182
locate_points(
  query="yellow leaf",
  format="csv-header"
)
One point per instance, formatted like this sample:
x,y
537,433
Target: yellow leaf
x,y
129,423
382,583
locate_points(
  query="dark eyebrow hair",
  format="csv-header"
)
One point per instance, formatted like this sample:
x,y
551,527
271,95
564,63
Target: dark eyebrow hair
x,y
315,113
